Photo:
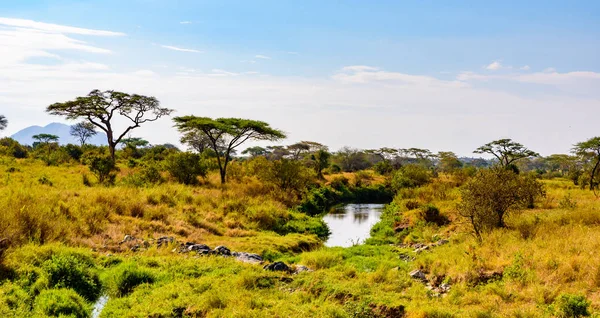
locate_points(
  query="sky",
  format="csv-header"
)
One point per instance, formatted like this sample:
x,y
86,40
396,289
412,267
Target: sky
x,y
447,76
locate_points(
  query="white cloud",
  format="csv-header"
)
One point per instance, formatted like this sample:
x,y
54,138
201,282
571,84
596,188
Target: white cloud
x,y
55,28
175,48
525,68
264,57
185,22
550,70
494,66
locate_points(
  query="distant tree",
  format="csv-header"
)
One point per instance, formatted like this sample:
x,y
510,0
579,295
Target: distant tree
x,y
384,153
320,161
589,151
492,194
45,138
83,131
228,133
277,152
99,108
448,161
302,149
3,122
197,141
350,159
506,151
255,151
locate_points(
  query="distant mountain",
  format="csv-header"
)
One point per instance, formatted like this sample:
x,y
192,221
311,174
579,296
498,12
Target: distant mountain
x,y
61,130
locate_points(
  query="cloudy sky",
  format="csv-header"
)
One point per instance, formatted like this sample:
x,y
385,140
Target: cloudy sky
x,y
359,73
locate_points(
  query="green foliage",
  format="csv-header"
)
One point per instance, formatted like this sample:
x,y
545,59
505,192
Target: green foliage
x,y
69,271
226,134
103,167
506,151
74,151
185,167
492,194
61,303
11,147
124,278
45,181
411,176
572,306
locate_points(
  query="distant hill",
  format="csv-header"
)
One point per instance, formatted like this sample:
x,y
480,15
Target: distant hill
x,y
61,130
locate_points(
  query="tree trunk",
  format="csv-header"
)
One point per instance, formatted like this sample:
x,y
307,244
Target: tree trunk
x,y
594,173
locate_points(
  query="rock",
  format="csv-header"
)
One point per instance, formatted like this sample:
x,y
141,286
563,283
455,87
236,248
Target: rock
x,y
301,268
247,257
199,248
444,288
277,266
222,250
418,274
165,240
441,242
127,238
406,257
421,249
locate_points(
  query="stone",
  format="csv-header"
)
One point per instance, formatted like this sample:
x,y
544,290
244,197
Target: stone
x,y
406,257
199,248
247,257
222,250
165,240
442,242
301,268
127,238
421,249
277,266
418,274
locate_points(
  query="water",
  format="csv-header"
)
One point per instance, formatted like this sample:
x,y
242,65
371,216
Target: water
x,y
351,224
99,305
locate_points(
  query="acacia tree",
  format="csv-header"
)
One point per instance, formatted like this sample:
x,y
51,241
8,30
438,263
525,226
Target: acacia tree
x,y
228,133
255,151
589,150
506,151
3,122
99,108
45,138
83,131
320,161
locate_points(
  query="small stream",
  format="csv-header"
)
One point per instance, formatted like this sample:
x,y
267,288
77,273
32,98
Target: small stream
x,y
99,305
351,223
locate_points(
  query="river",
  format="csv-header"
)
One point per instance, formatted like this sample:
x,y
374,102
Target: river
x,y
351,223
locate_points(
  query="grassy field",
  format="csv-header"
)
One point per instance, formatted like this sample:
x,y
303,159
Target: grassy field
x,y
66,250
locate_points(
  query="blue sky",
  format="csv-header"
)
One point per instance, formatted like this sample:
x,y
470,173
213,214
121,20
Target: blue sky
x,y
434,74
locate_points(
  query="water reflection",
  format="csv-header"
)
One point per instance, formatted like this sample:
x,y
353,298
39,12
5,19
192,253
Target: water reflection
x,y
351,223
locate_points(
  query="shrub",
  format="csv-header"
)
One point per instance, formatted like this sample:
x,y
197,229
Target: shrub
x,y
45,181
185,167
572,306
411,176
339,182
494,193
61,303
73,151
432,214
68,271
103,167
123,279
11,147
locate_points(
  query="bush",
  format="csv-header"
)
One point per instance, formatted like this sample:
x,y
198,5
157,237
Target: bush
x,y
74,151
185,167
411,176
68,271
61,303
11,147
123,279
103,167
494,193
572,306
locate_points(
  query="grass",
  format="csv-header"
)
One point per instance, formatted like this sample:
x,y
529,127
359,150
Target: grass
x,y
67,235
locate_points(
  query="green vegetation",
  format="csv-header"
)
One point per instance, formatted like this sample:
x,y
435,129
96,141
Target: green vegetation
x,y
161,234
